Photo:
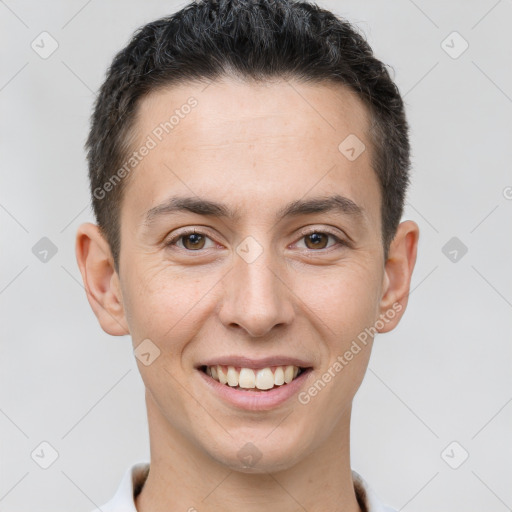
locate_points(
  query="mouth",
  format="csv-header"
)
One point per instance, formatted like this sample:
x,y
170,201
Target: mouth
x,y
254,379
255,385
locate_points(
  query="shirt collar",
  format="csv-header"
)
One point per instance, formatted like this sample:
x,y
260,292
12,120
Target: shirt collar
x,y
135,476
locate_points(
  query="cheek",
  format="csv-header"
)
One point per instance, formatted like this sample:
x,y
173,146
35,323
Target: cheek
x,y
344,305
345,300
162,304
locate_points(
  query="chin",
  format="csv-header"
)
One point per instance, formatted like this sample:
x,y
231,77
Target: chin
x,y
259,457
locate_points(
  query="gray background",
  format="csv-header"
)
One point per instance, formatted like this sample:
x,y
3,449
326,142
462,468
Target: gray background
x,y
443,375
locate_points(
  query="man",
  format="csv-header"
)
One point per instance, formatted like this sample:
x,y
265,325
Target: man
x,y
248,165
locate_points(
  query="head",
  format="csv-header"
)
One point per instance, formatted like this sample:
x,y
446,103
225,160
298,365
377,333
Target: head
x,y
269,130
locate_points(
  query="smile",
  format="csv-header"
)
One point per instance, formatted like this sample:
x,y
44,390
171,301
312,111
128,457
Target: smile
x,y
262,379
255,389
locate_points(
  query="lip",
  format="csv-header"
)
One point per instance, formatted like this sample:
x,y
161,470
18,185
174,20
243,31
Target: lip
x,y
256,400
255,364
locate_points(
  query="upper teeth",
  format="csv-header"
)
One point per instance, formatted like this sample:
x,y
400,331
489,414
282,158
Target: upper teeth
x,y
247,378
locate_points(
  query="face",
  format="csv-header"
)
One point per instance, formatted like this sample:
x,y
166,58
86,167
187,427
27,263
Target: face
x,y
275,259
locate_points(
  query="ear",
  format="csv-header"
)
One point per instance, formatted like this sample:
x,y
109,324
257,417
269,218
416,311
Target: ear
x,y
101,281
397,275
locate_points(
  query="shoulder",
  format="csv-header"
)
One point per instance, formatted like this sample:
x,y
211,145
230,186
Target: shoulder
x,y
131,484
367,499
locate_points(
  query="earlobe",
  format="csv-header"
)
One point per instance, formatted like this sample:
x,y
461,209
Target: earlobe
x,y
100,279
397,274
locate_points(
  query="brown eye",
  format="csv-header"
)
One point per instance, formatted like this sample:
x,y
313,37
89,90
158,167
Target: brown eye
x,y
316,240
193,241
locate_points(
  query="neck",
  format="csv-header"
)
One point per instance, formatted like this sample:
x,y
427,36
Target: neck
x,y
183,477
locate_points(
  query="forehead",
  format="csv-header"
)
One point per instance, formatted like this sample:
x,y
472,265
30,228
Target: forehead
x,y
231,139
240,109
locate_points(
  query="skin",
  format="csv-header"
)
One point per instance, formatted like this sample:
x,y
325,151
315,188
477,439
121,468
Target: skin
x,y
255,148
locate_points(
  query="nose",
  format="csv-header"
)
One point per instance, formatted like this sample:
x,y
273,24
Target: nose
x,y
256,297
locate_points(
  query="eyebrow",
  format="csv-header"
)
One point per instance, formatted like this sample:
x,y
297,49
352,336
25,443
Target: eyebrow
x,y
331,204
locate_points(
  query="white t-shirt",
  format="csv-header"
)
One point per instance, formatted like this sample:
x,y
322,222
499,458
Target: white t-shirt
x,y
135,476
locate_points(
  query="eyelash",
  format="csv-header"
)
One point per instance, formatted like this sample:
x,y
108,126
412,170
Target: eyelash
x,y
304,234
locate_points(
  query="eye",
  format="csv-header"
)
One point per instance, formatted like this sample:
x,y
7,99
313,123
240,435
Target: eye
x,y
317,239
192,240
